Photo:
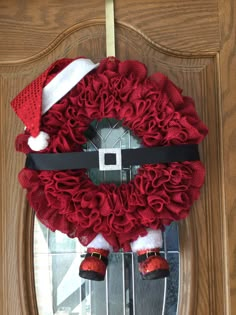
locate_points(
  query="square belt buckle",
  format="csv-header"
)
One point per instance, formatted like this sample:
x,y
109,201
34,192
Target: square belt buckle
x,y
109,167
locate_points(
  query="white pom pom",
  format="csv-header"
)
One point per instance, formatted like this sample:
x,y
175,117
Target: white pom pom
x,y
40,142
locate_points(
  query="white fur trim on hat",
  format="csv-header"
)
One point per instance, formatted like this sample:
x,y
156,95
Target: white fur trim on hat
x,y
100,243
40,142
152,240
64,81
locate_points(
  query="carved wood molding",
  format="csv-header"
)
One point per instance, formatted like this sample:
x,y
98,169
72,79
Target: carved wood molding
x,y
207,218
186,25
26,261
96,28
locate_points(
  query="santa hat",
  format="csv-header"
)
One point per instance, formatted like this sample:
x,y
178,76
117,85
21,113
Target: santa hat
x,y
41,94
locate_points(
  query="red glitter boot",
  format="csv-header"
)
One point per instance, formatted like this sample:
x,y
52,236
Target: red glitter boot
x,y
93,267
152,265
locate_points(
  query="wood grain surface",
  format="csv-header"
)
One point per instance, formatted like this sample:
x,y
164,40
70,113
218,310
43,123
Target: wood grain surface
x,y
193,42
227,62
177,25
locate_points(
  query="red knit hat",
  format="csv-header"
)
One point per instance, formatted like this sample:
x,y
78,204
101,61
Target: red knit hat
x,y
39,96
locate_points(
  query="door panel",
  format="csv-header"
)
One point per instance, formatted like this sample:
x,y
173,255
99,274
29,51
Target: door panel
x,y
180,39
30,27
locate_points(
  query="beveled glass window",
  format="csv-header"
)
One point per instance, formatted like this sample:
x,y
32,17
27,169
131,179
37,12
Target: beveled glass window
x,y
60,290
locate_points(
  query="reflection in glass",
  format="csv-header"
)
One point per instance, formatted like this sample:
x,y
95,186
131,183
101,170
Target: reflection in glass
x,y
61,291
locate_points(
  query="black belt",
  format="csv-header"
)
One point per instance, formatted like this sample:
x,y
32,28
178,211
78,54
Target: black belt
x,y
91,159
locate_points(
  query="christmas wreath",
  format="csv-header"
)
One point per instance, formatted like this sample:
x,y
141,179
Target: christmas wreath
x,y
156,112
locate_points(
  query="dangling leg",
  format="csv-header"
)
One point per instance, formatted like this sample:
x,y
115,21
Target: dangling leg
x,y
93,267
151,264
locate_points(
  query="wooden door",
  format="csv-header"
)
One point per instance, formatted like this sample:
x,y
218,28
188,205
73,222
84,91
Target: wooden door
x,y
193,42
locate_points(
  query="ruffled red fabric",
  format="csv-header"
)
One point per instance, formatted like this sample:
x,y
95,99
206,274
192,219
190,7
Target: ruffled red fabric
x,y
155,110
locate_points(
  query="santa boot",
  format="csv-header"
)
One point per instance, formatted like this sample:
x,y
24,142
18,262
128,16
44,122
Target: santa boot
x,y
93,267
151,264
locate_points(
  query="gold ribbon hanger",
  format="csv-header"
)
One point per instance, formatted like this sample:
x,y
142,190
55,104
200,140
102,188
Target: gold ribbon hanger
x,y
110,28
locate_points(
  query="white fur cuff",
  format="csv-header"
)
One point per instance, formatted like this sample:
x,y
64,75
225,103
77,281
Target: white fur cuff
x,y
100,243
152,240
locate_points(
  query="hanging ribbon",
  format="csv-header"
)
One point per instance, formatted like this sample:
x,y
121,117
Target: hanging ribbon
x,y
110,28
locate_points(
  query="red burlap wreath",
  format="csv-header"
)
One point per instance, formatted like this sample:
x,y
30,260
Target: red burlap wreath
x,y
156,112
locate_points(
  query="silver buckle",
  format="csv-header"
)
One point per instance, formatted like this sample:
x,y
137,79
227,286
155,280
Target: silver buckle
x,y
151,253
98,255
110,167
